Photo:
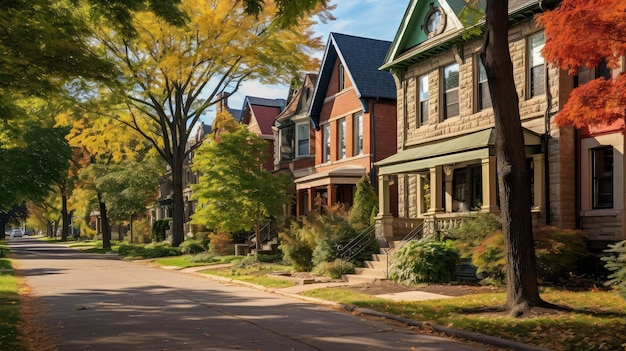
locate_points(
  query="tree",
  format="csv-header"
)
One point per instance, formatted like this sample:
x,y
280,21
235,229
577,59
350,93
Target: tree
x,y
601,101
365,205
234,192
172,75
513,179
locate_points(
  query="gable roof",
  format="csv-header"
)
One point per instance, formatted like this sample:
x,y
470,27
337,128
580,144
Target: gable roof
x,y
361,58
407,48
298,103
264,111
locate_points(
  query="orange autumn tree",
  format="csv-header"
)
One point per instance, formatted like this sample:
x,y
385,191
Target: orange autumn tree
x,y
601,101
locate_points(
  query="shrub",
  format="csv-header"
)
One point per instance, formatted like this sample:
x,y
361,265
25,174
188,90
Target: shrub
x,y
203,258
617,263
365,205
473,230
220,243
557,254
141,232
425,261
334,269
148,251
295,248
191,247
158,229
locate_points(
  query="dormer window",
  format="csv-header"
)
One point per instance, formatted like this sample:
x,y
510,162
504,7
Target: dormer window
x,y
435,21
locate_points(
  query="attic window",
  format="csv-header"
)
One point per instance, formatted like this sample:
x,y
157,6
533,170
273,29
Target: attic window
x,y
434,22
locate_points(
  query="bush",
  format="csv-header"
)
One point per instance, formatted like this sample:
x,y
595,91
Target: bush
x,y
617,263
473,230
334,269
158,229
141,232
296,250
148,251
557,253
365,207
191,247
203,258
425,261
220,243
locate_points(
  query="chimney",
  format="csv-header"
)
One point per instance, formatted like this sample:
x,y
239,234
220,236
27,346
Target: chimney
x,y
222,98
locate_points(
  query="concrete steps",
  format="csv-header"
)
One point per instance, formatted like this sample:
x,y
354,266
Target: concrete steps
x,y
373,270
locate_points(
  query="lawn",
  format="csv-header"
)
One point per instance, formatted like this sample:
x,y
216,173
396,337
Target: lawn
x,y
9,309
257,273
195,260
597,320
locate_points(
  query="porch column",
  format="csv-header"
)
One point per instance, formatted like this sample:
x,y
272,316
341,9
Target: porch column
x,y
384,219
436,189
539,186
310,205
331,191
490,184
448,171
420,181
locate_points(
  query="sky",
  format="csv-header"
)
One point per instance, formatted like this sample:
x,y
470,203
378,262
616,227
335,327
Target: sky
x,y
377,19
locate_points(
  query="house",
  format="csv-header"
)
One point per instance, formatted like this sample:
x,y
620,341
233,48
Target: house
x,y
445,164
353,112
259,114
294,151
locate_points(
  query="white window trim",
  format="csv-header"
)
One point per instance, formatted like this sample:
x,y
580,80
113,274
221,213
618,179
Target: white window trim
x,y
586,177
297,141
358,134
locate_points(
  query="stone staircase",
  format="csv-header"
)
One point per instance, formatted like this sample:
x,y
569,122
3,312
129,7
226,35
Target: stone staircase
x,y
376,269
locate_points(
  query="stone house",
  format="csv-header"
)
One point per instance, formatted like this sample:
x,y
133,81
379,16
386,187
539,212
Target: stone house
x,y
353,112
445,162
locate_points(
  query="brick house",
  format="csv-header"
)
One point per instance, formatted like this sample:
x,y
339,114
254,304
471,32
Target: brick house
x,y
294,151
259,114
445,165
353,112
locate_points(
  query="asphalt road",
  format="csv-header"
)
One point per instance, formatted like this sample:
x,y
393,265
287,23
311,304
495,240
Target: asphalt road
x,y
98,302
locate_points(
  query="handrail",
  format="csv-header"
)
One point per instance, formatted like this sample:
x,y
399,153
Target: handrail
x,y
355,246
265,235
415,234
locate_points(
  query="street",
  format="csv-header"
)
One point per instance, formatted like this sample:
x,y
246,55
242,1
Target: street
x,y
98,302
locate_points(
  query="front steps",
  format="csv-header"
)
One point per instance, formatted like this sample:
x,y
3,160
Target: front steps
x,y
373,270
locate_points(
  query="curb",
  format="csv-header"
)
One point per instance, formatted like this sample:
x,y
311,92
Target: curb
x,y
449,332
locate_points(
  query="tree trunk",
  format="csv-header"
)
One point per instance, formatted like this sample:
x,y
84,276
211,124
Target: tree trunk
x,y
65,222
104,224
178,210
257,232
513,179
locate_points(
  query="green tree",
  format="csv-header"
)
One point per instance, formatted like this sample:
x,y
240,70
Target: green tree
x,y
365,205
234,192
172,75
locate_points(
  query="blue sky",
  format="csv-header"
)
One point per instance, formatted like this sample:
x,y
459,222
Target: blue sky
x,y
378,19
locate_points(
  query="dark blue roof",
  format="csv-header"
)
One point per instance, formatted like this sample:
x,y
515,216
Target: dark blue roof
x,y
361,58
253,100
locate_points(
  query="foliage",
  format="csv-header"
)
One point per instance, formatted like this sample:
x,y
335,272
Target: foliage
x,y
234,192
9,311
141,232
473,230
158,229
557,251
220,243
191,247
171,75
29,169
600,101
254,272
334,269
425,261
365,207
296,248
152,250
616,263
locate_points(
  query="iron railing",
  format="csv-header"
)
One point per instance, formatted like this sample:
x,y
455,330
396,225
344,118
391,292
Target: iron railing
x,y
265,233
415,234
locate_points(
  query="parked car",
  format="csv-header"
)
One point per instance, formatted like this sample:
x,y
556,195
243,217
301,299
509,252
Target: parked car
x,y
16,233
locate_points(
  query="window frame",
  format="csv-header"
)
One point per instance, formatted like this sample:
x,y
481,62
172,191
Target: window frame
x,y
341,77
532,65
297,139
326,142
606,178
357,135
341,138
422,100
446,92
480,87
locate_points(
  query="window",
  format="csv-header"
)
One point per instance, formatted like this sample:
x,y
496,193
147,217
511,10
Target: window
x,y
483,97
341,135
586,74
451,90
326,132
358,133
602,168
468,189
423,99
286,143
302,136
341,77
537,84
